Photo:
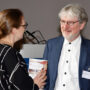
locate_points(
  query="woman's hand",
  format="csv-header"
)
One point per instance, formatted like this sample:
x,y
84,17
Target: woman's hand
x,y
40,78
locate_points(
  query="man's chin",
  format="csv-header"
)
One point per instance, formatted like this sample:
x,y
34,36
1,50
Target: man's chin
x,y
69,38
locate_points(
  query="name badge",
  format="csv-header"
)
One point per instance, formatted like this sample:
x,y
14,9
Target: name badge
x,y
86,74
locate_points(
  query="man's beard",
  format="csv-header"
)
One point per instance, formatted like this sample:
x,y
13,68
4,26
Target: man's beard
x,y
71,36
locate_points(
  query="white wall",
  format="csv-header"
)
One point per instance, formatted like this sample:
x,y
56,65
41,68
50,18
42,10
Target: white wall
x,y
33,50
43,14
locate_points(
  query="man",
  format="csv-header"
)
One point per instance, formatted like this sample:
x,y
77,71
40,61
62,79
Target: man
x,y
69,55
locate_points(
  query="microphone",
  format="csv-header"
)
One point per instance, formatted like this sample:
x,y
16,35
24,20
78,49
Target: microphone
x,y
31,34
38,31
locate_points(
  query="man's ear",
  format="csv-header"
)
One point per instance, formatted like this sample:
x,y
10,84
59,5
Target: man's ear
x,y
82,25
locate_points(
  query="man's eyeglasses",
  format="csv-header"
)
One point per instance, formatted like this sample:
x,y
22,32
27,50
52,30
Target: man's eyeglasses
x,y
70,23
25,25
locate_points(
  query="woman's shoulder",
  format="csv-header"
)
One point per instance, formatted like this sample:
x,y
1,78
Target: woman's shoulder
x,y
6,49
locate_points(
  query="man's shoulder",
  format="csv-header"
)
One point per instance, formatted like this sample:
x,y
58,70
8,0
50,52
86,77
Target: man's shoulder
x,y
87,41
56,39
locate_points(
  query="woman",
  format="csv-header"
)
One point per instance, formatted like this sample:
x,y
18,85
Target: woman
x,y
13,70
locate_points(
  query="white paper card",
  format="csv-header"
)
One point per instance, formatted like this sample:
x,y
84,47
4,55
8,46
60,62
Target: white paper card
x,y
86,74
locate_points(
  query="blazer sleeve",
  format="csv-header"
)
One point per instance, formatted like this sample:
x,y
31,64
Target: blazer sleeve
x,y
45,56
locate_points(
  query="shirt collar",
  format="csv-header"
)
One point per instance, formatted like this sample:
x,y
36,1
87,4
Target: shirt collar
x,y
74,42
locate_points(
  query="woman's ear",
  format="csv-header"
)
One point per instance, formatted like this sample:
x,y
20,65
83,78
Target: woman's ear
x,y
14,31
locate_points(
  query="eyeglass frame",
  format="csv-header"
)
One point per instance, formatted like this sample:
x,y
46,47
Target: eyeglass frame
x,y
70,23
25,25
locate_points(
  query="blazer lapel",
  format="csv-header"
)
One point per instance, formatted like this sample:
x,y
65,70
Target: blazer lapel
x,y
57,56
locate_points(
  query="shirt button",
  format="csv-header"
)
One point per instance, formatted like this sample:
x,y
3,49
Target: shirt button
x,y
69,42
64,85
69,50
65,73
67,61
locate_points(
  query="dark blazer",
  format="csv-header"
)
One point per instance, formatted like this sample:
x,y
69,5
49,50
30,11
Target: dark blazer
x,y
53,52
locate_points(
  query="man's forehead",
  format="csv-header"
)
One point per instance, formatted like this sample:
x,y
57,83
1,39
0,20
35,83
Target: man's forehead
x,y
68,14
68,18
